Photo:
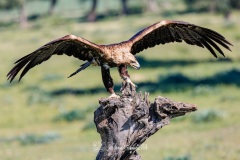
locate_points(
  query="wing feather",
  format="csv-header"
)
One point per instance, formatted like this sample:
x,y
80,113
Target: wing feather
x,y
69,45
221,42
196,37
213,44
177,31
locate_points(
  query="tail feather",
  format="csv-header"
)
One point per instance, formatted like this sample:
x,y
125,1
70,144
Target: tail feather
x,y
83,66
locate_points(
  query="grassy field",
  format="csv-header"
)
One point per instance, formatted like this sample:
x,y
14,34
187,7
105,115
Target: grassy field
x,y
49,117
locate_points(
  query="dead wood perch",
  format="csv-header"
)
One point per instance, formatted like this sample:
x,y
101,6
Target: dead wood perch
x,y
125,123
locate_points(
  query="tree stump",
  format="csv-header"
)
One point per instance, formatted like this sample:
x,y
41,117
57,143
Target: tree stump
x,y
125,123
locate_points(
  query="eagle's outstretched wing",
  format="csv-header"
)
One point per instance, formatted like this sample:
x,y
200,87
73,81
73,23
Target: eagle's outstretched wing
x,y
70,45
177,31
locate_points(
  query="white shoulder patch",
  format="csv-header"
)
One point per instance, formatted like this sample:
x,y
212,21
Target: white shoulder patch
x,y
164,22
72,36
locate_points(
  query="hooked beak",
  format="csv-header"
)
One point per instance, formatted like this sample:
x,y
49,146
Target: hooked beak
x,y
136,65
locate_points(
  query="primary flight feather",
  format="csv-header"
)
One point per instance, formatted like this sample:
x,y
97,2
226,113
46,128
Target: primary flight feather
x,y
122,54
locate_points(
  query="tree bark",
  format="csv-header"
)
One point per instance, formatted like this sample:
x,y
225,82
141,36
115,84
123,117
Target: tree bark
x,y
125,10
52,7
23,20
125,123
152,6
92,14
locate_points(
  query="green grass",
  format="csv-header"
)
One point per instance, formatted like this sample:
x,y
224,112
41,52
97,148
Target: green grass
x,y
29,107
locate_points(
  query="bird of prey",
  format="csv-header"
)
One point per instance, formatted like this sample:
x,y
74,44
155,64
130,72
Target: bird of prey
x,y
122,55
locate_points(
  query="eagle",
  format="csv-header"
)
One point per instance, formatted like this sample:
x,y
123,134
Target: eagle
x,y
122,55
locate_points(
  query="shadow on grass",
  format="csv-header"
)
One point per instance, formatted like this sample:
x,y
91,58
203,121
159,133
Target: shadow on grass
x,y
179,82
171,63
74,91
170,83
6,24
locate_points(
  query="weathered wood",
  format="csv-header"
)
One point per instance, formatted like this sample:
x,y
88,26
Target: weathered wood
x,y
125,123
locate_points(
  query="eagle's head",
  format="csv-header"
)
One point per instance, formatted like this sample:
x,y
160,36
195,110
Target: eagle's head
x,y
132,61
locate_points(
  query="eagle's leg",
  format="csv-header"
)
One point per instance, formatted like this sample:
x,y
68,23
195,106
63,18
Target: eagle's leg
x,y
107,80
122,69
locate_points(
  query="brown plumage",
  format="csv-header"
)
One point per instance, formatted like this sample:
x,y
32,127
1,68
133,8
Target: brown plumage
x,y
122,54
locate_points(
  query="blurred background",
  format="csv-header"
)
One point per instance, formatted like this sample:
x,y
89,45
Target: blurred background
x,y
50,117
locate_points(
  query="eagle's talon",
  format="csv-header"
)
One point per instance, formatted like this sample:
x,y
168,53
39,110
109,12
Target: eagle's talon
x,y
114,95
126,82
124,85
